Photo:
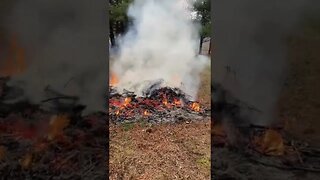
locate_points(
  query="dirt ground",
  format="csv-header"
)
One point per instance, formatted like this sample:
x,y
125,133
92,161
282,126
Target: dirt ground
x,y
165,151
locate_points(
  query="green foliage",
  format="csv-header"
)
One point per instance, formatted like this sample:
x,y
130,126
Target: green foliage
x,y
118,10
202,8
204,162
206,30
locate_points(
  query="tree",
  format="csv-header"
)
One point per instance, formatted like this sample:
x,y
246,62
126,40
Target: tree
x,y
118,18
202,8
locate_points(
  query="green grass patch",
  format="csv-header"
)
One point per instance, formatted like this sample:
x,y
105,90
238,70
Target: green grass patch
x,y
204,162
128,126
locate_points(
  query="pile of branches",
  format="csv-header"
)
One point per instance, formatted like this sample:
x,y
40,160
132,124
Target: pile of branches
x,y
157,105
41,144
68,150
241,150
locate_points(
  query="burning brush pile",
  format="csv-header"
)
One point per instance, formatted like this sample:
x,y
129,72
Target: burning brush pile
x,y
157,105
41,144
249,151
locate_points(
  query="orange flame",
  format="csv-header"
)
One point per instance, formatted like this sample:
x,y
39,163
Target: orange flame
x,y
146,113
113,79
165,101
15,62
117,112
177,102
270,143
127,101
195,106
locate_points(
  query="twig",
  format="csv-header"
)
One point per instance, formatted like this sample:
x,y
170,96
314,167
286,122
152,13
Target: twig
x,y
298,154
92,166
265,127
313,152
68,158
60,97
286,168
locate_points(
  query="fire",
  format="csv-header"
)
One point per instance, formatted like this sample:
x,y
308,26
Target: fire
x,y
165,102
117,112
113,79
146,113
127,106
15,61
195,106
177,102
270,143
127,101
57,124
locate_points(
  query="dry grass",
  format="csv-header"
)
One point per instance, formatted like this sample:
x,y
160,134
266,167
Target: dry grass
x,y
166,151
204,93
163,151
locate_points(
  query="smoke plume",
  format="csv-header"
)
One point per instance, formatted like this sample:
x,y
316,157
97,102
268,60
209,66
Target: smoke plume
x,y
250,50
66,48
162,45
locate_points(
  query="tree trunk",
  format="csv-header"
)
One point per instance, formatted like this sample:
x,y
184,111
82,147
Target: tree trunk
x,y
210,46
200,46
122,27
111,35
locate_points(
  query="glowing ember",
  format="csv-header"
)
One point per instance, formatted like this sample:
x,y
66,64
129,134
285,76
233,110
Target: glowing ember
x,y
146,113
127,101
270,143
161,104
195,106
117,112
113,79
165,102
177,102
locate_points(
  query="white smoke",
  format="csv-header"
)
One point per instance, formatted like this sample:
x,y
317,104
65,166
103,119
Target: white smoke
x,y
66,49
162,44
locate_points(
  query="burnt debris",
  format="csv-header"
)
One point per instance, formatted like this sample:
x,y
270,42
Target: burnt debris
x,y
52,142
158,105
